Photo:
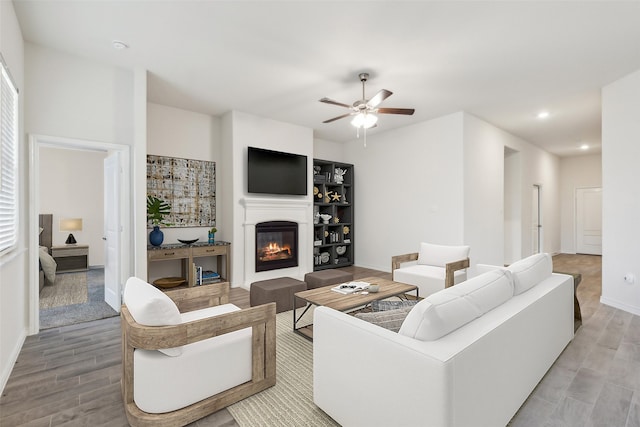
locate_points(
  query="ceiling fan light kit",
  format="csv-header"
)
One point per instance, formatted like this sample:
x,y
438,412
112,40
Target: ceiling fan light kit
x,y
365,110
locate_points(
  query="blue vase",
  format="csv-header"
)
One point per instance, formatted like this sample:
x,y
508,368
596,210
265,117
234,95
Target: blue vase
x,y
212,238
156,236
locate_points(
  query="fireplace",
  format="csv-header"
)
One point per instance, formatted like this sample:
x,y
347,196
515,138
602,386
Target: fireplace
x,y
276,245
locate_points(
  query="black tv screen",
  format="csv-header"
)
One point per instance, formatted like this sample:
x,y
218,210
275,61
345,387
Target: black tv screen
x,y
274,172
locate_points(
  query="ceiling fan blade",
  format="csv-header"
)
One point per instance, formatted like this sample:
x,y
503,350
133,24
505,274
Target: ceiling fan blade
x,y
337,118
407,111
331,101
379,97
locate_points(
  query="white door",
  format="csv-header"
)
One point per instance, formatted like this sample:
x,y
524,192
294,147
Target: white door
x,y
589,221
112,231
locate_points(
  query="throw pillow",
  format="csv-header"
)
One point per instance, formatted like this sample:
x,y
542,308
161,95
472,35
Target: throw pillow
x,y
389,319
530,271
440,255
449,309
150,306
385,305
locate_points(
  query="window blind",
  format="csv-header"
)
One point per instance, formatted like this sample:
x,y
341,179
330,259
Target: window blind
x,y
8,162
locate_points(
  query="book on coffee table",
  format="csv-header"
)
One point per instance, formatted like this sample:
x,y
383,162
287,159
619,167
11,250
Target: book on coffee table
x,y
350,287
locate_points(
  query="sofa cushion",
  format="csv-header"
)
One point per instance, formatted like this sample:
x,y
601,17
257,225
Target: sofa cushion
x,y
150,306
440,255
530,271
388,319
451,308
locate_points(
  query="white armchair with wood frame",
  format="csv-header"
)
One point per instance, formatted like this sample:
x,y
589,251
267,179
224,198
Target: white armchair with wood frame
x,y
433,268
180,367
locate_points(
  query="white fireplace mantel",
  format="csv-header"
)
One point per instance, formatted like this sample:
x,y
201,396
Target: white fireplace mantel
x,y
262,209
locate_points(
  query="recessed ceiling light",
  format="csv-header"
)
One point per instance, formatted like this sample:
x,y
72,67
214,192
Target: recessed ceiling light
x,y
584,147
543,114
117,44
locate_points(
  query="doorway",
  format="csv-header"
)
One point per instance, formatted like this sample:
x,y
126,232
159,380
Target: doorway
x,y
536,221
38,143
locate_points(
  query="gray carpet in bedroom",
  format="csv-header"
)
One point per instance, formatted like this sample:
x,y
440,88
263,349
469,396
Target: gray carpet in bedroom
x,y
93,309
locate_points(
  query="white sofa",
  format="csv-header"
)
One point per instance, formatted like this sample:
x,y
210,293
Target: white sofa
x,y
476,375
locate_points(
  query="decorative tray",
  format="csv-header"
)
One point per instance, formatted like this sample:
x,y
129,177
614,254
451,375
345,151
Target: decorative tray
x,y
169,282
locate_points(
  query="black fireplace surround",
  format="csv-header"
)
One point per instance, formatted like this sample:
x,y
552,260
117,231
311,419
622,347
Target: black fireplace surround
x,y
276,245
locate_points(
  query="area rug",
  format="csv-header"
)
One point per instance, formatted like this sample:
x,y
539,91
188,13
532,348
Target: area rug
x,y
290,401
92,308
68,289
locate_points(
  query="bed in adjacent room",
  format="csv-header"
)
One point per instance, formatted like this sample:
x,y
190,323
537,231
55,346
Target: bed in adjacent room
x,y
47,273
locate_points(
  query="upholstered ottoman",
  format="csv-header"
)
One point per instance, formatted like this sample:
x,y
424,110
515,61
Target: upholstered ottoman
x,y
321,278
279,290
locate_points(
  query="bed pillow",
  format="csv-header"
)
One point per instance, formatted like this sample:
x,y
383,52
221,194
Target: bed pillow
x,y
150,306
449,309
440,255
530,271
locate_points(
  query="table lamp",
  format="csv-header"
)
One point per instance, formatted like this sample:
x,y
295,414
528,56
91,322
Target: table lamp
x,y
71,224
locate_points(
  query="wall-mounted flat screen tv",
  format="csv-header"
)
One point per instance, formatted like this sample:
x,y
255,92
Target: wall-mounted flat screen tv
x,y
275,172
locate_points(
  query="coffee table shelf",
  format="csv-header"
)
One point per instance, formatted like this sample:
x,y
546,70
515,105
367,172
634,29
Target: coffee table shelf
x,y
325,297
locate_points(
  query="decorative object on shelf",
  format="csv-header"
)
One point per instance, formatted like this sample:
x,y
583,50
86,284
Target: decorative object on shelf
x,y
326,233
157,209
325,218
212,235
169,282
324,257
316,190
345,230
326,197
319,195
336,220
316,218
188,242
188,185
338,175
71,224
156,236
335,197
340,250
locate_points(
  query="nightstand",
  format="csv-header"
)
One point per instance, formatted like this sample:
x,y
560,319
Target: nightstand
x,y
71,258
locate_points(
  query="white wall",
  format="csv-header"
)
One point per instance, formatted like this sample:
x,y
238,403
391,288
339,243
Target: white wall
x,y
512,206
14,278
174,132
408,188
73,97
328,150
575,172
484,193
72,186
241,130
620,201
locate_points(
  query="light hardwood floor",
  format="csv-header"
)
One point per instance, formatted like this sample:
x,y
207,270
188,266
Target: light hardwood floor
x,y
70,375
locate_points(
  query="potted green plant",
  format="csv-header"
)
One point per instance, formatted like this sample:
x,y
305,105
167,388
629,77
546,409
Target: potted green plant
x,y
212,235
157,209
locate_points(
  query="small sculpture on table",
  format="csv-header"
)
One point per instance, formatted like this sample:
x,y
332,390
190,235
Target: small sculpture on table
x,y
338,175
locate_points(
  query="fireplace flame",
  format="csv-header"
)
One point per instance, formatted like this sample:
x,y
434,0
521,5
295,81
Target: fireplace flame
x,y
273,251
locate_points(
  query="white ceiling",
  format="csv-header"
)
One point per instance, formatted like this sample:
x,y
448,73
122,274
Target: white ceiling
x,y
501,61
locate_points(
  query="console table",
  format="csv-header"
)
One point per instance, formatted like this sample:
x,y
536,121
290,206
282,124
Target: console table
x,y
188,253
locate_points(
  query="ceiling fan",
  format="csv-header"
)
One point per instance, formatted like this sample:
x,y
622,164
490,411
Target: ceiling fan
x,y
364,110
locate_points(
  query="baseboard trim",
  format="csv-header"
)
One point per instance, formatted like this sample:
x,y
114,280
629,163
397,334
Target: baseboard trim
x,y
620,305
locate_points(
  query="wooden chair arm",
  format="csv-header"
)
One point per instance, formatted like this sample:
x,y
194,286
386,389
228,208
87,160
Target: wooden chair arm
x,y
198,297
452,267
159,337
400,259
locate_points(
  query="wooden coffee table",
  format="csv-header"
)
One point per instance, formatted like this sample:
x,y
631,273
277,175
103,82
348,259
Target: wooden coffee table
x,y
326,297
